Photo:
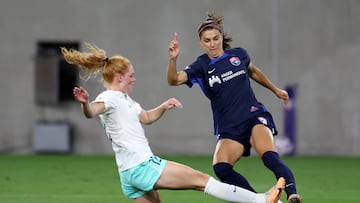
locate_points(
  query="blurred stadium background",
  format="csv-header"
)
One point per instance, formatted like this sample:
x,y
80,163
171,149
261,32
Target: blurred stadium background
x,y
312,45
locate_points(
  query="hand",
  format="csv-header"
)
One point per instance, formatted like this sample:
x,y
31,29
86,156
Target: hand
x,y
81,95
282,94
174,47
172,103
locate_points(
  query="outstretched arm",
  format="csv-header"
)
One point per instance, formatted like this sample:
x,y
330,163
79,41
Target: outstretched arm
x,y
256,74
150,116
89,110
175,78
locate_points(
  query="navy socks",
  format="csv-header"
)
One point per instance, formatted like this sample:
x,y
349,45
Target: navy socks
x,y
226,174
273,162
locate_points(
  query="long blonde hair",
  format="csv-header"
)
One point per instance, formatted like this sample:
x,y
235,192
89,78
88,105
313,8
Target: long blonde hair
x,y
95,61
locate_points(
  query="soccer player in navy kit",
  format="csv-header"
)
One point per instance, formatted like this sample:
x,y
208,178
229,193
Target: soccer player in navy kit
x,y
141,172
240,121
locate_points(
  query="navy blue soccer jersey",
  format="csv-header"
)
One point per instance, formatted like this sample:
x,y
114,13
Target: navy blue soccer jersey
x,y
225,82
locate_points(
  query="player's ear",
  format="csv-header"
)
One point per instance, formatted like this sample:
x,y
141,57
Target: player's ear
x,y
118,77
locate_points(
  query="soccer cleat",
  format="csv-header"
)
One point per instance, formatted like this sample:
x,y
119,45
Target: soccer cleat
x,y
295,198
273,196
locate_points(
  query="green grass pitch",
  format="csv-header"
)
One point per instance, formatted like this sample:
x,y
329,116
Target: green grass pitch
x,y
94,179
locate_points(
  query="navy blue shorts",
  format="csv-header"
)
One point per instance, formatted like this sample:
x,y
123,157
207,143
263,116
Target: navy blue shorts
x,y
242,133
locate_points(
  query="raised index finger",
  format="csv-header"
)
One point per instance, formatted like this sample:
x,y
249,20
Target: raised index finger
x,y
176,36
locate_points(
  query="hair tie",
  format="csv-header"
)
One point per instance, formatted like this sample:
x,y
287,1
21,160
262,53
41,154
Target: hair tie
x,y
106,59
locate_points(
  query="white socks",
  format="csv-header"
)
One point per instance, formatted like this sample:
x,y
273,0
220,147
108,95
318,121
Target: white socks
x,y
231,193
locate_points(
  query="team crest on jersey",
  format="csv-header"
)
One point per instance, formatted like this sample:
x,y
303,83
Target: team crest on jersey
x,y
263,120
235,61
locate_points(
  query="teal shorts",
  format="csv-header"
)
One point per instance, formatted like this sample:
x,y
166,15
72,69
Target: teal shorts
x,y
137,181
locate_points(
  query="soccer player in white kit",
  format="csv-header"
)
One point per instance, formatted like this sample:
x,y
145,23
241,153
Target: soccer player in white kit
x,y
141,172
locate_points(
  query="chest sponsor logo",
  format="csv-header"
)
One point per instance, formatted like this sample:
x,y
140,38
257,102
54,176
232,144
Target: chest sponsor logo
x,y
224,77
214,79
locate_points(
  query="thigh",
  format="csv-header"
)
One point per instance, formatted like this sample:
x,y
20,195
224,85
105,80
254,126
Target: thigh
x,y
179,176
152,196
228,150
262,139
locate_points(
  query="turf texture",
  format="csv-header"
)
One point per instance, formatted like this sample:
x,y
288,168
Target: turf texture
x,y
94,179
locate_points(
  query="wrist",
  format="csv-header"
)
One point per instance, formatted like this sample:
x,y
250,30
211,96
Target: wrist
x,y
85,103
173,58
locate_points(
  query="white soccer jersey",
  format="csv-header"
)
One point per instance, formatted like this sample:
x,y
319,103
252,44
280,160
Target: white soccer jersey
x,y
120,120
